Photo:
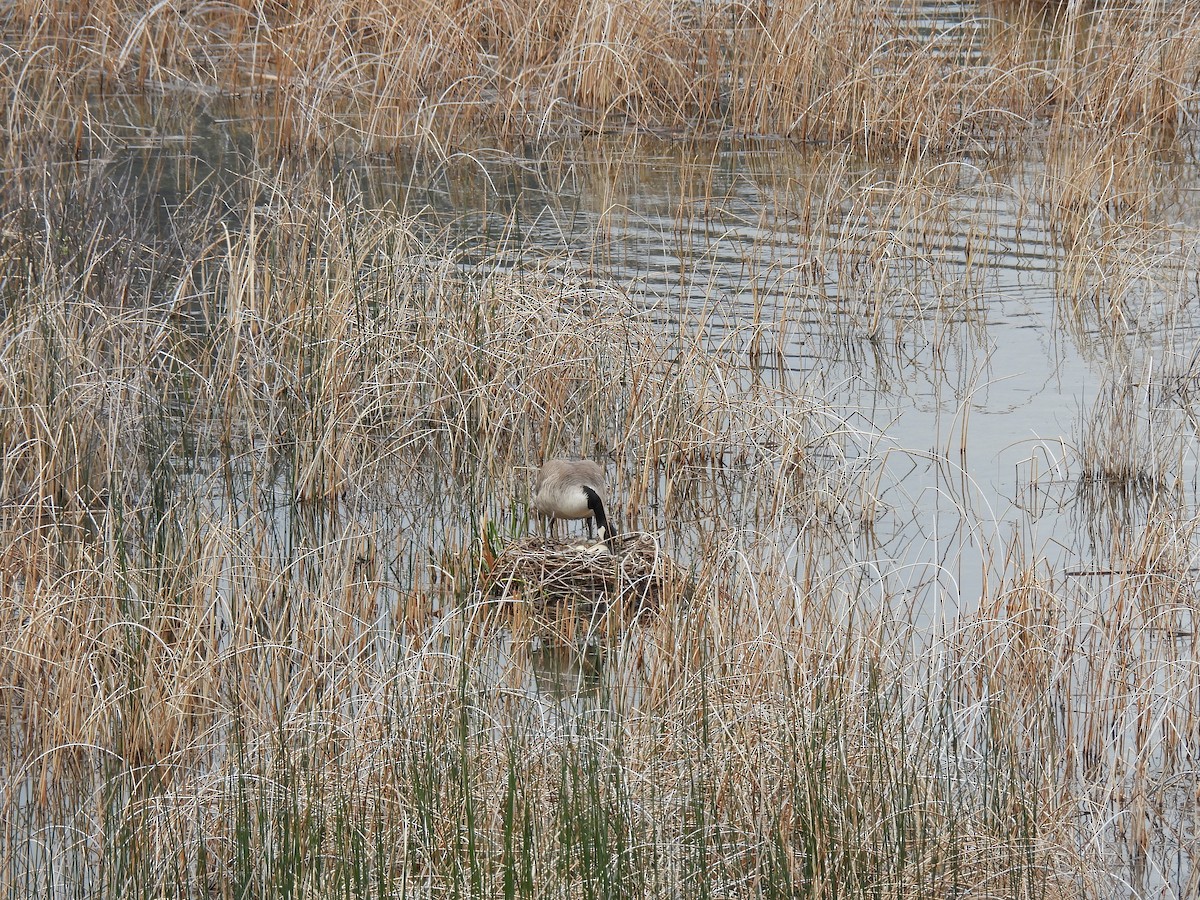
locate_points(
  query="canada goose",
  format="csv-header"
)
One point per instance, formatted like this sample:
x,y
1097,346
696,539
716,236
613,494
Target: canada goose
x,y
572,489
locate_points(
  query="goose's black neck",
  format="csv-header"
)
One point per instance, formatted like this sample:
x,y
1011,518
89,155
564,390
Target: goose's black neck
x,y
596,505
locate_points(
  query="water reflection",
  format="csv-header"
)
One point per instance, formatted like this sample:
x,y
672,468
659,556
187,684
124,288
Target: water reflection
x,y
568,672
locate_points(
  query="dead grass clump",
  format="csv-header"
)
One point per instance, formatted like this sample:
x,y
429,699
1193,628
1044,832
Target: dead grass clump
x,y
635,59
1112,205
1098,184
1135,435
1125,69
817,71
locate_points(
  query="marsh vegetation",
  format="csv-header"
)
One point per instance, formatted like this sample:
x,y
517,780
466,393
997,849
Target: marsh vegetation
x,y
882,318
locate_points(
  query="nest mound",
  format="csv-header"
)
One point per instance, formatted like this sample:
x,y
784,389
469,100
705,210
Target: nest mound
x,y
586,578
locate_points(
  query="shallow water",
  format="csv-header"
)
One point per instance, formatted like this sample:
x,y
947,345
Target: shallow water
x,y
977,377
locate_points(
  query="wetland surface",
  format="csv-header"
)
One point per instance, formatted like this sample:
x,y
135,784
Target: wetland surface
x,y
913,407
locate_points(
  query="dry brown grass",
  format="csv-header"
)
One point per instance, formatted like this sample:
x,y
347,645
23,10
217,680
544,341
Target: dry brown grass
x,y
878,76
242,543
252,476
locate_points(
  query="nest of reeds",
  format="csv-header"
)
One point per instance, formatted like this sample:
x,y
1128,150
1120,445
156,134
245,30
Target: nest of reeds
x,y
631,575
